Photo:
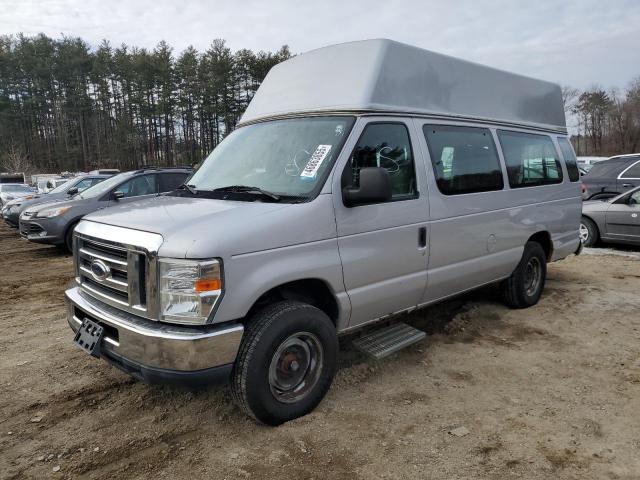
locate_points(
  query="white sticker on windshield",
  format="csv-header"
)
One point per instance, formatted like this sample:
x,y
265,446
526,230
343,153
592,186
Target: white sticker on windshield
x,y
311,170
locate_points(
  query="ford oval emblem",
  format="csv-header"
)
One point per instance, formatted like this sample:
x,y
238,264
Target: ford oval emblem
x,y
99,270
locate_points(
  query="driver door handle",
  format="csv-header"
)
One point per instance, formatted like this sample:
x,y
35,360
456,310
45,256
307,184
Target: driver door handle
x,y
627,185
422,238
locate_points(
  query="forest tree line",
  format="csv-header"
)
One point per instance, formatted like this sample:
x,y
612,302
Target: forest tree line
x,y
607,122
65,106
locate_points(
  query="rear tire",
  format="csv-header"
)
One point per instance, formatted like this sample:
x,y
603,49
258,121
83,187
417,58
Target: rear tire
x,y
525,285
589,234
286,362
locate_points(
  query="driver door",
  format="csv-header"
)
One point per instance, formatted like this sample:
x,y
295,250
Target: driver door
x,y
623,218
383,245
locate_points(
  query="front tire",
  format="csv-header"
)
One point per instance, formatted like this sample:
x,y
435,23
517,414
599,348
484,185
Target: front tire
x,y
525,285
68,238
286,362
589,234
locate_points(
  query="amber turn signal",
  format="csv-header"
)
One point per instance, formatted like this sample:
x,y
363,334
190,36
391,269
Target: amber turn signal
x,y
207,285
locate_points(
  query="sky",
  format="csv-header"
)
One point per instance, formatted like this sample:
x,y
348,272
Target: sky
x,y
580,43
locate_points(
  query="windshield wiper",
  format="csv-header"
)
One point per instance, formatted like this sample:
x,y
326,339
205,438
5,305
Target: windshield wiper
x,y
248,189
190,188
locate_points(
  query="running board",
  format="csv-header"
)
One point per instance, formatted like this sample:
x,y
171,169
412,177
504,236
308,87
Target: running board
x,y
385,341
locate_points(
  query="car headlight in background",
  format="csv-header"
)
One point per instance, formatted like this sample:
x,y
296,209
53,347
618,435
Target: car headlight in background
x,y
51,212
189,289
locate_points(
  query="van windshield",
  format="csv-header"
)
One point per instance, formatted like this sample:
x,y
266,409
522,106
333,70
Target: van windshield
x,y
287,158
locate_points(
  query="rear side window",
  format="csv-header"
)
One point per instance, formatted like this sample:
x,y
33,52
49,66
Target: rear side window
x,y
632,172
464,159
570,159
170,181
385,145
604,169
531,159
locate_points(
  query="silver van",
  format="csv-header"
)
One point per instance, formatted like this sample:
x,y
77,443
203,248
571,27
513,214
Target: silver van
x,y
365,180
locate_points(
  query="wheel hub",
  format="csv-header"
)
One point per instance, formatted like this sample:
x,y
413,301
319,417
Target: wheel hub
x,y
533,276
295,367
584,232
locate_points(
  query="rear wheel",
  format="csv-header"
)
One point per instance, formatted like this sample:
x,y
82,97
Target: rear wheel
x,y
286,362
524,287
589,234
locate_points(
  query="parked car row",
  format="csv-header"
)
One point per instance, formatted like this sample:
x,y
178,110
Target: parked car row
x,y
52,217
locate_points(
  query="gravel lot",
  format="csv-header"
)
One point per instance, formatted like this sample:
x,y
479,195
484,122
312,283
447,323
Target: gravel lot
x,y
548,392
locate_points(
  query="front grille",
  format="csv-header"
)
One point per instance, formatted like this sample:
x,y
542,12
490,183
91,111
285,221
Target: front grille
x,y
123,284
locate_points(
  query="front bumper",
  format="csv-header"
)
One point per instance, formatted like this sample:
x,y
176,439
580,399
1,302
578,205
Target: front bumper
x,y
157,352
42,230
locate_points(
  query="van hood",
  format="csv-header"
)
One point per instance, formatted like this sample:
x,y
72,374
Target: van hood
x,y
205,228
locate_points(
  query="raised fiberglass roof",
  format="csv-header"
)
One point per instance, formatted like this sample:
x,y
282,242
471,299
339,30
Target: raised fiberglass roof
x,y
384,75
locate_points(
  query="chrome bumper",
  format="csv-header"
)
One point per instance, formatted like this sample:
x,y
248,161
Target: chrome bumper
x,y
155,345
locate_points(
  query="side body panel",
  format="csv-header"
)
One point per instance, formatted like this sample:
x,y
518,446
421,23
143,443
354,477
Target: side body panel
x,y
623,222
249,275
478,238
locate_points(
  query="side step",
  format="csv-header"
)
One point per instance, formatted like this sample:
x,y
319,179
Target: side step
x,y
382,343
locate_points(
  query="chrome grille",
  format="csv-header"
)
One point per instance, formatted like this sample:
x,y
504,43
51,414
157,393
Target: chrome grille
x,y
118,266
124,281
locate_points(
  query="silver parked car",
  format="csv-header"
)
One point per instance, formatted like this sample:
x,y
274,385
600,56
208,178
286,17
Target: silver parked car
x,y
365,180
614,219
11,191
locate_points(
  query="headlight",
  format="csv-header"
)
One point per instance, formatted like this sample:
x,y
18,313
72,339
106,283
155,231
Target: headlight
x,y
188,289
51,212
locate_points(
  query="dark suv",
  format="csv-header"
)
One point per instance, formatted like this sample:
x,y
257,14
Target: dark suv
x,y
611,177
54,222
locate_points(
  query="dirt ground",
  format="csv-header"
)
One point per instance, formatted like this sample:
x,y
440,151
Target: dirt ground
x,y
548,392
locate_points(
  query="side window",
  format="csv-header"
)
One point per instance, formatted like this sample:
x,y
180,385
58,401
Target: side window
x,y
171,181
385,145
634,199
531,159
140,185
632,172
570,159
95,181
83,184
464,159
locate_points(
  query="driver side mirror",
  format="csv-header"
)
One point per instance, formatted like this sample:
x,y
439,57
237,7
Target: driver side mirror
x,y
117,195
72,191
375,187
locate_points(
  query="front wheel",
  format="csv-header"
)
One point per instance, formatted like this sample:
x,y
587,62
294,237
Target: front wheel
x,y
588,232
68,238
286,362
524,287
